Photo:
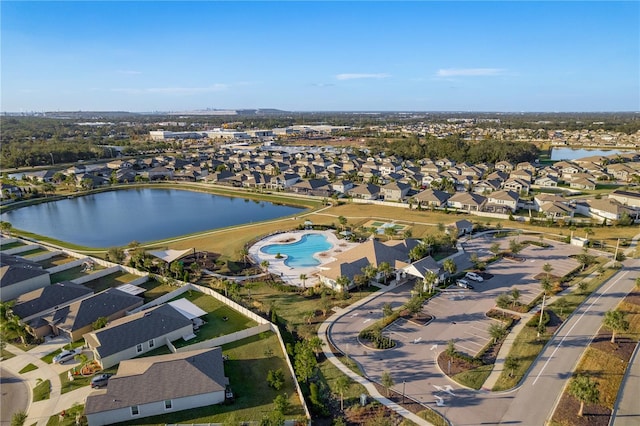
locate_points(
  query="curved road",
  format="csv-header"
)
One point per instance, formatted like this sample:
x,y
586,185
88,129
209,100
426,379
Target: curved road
x,y
413,365
14,398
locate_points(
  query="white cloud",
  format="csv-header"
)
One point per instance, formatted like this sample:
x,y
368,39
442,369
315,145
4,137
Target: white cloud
x,y
175,90
469,72
357,76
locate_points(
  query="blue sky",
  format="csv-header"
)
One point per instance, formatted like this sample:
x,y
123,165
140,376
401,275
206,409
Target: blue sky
x,y
321,56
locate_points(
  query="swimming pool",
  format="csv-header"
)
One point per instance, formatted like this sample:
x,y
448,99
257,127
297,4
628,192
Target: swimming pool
x,y
300,253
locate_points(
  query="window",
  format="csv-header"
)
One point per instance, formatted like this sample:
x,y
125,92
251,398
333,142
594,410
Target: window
x,y
151,343
134,410
139,347
168,405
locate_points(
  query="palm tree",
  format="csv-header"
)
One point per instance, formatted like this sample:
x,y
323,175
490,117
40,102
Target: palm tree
x,y
511,364
584,390
515,247
545,283
342,384
386,270
390,232
244,254
369,272
495,248
497,331
547,268
450,266
264,265
303,278
387,310
343,222
430,279
615,321
343,282
6,227
515,295
359,280
387,381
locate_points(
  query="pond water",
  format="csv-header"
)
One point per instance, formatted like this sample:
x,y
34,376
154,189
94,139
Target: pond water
x,y
116,218
558,154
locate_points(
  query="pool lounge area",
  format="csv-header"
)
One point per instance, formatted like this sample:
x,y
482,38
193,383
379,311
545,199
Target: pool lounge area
x,y
302,252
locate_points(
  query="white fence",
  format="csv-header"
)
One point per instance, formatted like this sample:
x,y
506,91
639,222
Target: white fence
x,y
45,256
223,340
98,274
22,249
67,265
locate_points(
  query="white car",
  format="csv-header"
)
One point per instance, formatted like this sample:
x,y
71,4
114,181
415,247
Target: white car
x,y
64,356
473,276
464,284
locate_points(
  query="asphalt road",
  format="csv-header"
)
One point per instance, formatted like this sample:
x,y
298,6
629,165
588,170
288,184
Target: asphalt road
x,y
14,396
458,317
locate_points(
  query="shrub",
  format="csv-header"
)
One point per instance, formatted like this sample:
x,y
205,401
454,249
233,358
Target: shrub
x,y
535,319
275,378
377,339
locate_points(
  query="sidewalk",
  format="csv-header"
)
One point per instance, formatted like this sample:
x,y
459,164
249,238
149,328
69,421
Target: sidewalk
x,y
39,412
322,334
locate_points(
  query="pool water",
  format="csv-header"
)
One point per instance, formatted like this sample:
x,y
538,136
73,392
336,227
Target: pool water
x,y
300,253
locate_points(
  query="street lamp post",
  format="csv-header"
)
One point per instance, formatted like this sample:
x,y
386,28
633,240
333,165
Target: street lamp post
x,y
52,162
404,383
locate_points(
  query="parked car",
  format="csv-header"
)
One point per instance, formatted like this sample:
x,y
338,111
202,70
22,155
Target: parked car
x,y
464,284
100,380
473,276
64,356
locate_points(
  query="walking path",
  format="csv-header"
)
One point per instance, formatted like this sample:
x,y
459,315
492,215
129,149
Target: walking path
x,y
373,391
39,412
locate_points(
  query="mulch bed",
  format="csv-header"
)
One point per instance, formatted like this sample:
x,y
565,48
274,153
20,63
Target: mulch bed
x,y
421,318
458,365
595,414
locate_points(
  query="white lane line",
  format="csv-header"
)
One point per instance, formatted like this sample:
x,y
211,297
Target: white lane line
x,y
576,323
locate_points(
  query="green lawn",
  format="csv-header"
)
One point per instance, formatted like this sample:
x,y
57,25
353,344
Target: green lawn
x,y
5,354
27,368
12,245
215,325
48,358
155,289
112,280
475,378
69,418
33,253
79,381
249,361
42,391
58,260
68,274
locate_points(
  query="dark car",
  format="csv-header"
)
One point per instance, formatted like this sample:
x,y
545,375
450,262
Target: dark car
x,y
100,380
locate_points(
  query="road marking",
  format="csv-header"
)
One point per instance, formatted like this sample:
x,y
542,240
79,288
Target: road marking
x,y
439,401
448,389
433,347
576,323
367,320
354,315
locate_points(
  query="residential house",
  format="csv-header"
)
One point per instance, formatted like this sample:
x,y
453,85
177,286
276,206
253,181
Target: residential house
x,y
467,201
136,334
342,186
627,198
160,172
76,319
522,174
317,187
388,167
367,191
43,301
161,384
556,210
422,267
432,198
395,191
517,185
485,187
546,181
8,190
502,202
582,183
607,209
504,166
283,181
19,276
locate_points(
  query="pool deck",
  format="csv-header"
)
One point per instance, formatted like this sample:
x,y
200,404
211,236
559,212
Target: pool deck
x,y
291,275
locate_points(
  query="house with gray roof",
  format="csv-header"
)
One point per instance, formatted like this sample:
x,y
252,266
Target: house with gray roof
x,y
432,198
136,334
44,300
76,319
162,384
395,191
19,276
366,191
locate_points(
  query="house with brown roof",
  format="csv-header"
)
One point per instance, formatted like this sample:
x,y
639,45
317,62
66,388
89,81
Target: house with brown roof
x,y
395,191
372,252
467,201
432,198
161,384
367,191
502,202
